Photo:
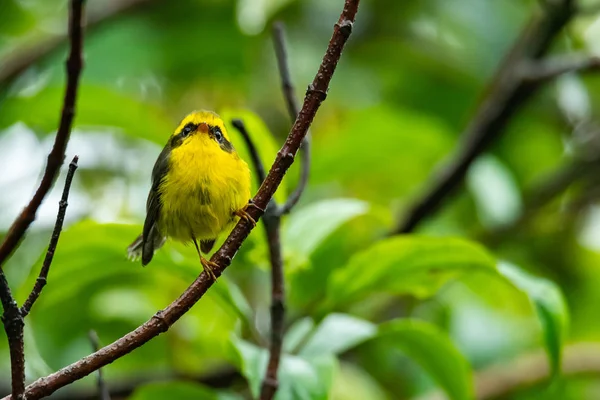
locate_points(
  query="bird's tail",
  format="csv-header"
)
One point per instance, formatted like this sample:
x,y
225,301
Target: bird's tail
x,y
134,251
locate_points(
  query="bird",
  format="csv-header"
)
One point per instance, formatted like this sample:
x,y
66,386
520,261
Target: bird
x,y
200,188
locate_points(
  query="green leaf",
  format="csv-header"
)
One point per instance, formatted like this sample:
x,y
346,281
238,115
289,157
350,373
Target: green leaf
x,y
414,265
311,225
299,378
297,333
338,333
549,305
434,351
173,390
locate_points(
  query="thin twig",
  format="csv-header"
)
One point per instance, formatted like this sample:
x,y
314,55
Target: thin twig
x,y
270,382
56,157
508,91
256,161
103,393
164,319
272,222
12,317
292,106
40,282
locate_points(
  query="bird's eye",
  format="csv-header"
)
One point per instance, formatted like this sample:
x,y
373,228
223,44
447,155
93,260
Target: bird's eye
x,y
189,128
218,135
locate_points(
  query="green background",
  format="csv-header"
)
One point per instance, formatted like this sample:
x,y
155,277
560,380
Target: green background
x,y
484,283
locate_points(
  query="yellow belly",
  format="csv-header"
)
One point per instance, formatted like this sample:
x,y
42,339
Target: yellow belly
x,y
204,186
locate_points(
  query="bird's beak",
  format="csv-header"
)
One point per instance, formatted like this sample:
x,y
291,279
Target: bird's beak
x,y
203,127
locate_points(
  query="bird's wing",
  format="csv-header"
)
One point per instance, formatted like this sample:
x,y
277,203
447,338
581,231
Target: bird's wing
x,y
150,234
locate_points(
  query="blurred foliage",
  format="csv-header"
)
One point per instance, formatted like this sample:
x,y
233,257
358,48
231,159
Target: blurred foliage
x,y
486,279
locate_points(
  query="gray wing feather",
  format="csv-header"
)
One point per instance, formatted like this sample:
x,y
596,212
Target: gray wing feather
x,y
152,238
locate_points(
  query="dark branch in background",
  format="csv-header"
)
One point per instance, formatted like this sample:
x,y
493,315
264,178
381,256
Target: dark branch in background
x,y
56,157
165,318
261,174
555,184
552,67
272,219
292,105
41,280
12,317
19,61
509,90
504,381
103,393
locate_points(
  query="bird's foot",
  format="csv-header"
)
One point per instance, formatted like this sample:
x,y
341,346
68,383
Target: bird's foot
x,y
208,267
242,213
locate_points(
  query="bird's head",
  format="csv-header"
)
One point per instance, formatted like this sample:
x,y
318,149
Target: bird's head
x,y
204,128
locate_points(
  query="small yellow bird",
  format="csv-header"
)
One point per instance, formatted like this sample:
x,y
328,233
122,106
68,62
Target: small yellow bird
x,y
200,186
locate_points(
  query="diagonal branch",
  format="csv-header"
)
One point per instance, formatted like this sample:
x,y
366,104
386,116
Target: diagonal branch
x,y
163,319
507,92
40,282
56,157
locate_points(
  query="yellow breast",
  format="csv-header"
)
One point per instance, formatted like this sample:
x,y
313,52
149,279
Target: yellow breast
x,y
204,185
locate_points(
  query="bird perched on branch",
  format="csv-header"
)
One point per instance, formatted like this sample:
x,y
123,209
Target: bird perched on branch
x,y
200,186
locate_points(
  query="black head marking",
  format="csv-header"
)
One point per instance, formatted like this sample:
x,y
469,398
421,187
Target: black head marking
x,y
186,131
217,135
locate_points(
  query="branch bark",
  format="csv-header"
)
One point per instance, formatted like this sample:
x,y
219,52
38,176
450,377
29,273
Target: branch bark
x,y
508,91
272,219
41,281
56,157
163,319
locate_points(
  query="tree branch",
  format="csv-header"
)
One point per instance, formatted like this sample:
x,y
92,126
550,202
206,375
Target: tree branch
x,y
507,92
270,382
74,65
13,326
503,381
13,317
272,220
163,319
292,105
551,67
527,371
40,282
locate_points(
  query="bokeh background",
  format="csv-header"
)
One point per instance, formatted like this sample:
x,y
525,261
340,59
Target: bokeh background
x,y
362,323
